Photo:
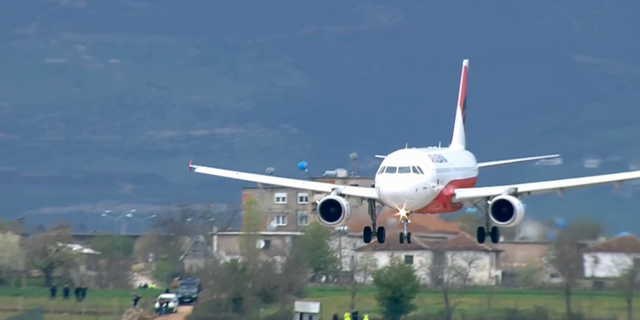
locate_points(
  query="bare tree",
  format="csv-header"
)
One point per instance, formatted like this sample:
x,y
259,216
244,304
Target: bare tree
x,y
628,282
178,227
362,268
566,258
46,252
450,270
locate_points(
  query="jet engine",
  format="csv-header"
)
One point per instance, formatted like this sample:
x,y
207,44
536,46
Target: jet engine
x,y
506,211
333,211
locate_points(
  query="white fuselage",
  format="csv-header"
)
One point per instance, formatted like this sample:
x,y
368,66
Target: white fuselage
x,y
422,180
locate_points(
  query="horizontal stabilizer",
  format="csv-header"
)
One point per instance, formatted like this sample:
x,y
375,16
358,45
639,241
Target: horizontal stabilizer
x,y
380,156
512,161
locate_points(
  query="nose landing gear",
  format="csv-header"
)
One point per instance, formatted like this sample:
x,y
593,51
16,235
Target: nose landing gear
x,y
494,232
372,231
405,234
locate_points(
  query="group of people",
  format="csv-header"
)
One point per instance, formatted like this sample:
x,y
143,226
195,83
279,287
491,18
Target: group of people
x,y
80,292
353,315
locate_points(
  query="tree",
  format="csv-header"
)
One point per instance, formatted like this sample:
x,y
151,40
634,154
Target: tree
x,y
628,283
46,252
452,269
318,254
112,245
177,228
397,285
566,257
362,267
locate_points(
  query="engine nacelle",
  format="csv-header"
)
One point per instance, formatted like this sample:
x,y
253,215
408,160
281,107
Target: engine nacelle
x,y
506,211
334,211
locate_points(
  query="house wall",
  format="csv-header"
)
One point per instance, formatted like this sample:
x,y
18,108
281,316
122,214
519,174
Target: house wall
x,y
227,245
607,265
472,268
520,254
483,269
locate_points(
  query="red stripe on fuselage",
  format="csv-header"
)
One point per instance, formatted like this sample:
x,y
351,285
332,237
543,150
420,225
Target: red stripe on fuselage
x,y
442,202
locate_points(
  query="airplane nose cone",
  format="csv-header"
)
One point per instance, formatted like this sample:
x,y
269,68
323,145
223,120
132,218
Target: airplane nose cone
x,y
398,197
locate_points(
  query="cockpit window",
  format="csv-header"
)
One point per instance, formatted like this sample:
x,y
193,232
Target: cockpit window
x,y
415,170
381,170
404,170
390,170
420,169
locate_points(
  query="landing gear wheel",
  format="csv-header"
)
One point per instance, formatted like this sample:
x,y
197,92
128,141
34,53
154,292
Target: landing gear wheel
x,y
401,237
408,237
495,234
381,235
366,234
481,234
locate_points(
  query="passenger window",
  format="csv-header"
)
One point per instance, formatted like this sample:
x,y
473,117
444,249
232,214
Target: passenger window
x,y
404,170
390,170
381,170
420,169
414,169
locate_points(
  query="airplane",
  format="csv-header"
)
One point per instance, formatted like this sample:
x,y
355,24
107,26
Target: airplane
x,y
433,180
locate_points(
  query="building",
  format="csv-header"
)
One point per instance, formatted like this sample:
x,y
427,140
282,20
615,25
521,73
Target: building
x,y
272,244
287,209
610,259
346,240
457,260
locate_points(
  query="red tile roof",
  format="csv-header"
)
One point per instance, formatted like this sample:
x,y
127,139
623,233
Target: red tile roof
x,y
460,242
623,244
420,223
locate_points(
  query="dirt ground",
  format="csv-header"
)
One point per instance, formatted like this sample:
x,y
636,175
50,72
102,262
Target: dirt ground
x,y
183,311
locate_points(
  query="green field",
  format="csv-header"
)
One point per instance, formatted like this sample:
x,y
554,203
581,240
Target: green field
x,y
477,301
110,304
99,304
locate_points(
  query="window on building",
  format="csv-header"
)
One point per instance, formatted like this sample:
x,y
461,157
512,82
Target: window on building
x,y
303,218
280,198
303,198
281,220
408,259
314,207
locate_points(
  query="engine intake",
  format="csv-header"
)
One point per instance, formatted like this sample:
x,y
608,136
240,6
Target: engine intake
x,y
334,211
506,211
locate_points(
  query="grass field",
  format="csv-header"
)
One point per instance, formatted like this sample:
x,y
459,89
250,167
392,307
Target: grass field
x,y
110,304
99,304
475,301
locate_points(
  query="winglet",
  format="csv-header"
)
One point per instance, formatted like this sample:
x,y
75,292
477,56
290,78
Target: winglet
x,y
190,165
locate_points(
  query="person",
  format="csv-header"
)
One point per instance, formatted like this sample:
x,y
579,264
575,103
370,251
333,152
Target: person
x,y
83,293
52,291
335,316
365,317
347,316
76,292
65,292
167,290
135,299
354,314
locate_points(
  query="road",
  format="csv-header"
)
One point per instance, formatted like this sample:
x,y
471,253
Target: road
x,y
181,315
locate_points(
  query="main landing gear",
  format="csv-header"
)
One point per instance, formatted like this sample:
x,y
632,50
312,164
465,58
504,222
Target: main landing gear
x,y
494,232
372,231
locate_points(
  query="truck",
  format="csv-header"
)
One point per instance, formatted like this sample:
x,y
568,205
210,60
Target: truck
x,y
188,290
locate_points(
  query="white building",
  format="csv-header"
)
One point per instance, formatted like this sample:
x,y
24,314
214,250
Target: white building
x,y
459,260
611,258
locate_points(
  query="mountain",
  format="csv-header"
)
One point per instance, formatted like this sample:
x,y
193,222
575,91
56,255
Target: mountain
x,y
105,103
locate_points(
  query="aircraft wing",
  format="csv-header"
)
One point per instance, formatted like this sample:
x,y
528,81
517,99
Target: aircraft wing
x,y
472,196
512,161
360,192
